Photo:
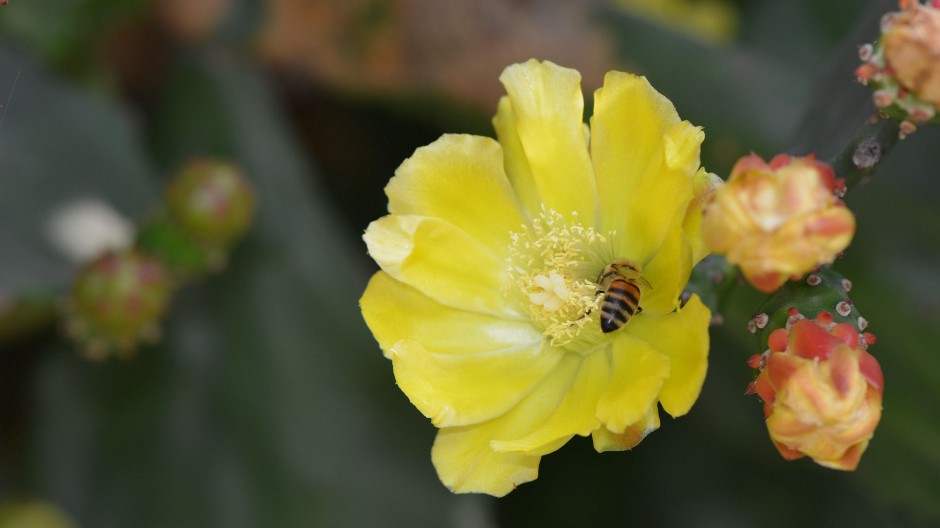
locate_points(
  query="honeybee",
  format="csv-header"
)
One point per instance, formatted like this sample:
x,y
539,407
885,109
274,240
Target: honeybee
x,y
620,283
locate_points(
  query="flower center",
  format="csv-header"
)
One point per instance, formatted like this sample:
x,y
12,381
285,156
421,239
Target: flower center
x,y
554,291
554,264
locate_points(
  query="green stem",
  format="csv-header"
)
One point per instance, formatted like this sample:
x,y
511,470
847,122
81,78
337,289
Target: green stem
x,y
732,280
865,151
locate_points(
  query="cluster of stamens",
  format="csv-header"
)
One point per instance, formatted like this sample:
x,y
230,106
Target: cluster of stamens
x,y
553,263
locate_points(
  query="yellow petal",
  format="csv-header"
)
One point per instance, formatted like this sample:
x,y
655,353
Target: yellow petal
x,y
548,114
644,158
466,464
464,457
576,414
443,262
459,178
683,337
637,373
516,163
605,440
663,194
704,186
395,312
682,143
668,272
465,389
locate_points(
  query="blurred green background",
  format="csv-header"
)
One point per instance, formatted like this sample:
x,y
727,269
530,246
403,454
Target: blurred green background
x,y
267,402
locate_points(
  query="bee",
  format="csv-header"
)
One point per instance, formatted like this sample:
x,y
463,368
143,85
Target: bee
x,y
620,283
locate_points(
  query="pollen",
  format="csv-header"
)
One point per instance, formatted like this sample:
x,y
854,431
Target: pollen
x,y
553,265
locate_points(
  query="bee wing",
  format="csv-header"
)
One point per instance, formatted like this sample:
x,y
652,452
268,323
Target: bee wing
x,y
635,276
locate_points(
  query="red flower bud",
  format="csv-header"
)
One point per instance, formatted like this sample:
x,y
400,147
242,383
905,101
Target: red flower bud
x,y
822,393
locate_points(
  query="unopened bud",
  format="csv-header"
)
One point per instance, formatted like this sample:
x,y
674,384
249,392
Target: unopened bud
x,y
912,51
117,301
212,202
903,66
778,220
822,393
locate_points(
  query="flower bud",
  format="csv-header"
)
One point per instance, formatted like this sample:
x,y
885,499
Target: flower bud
x,y
822,392
903,66
117,301
212,202
912,51
778,220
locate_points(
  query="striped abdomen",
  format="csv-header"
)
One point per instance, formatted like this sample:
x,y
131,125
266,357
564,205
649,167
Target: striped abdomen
x,y
621,302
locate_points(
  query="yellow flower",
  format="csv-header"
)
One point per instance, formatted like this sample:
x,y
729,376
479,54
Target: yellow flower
x,y
822,392
777,220
487,300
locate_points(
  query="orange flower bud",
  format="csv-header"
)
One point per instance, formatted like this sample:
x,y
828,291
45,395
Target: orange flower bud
x,y
822,394
903,66
912,51
778,220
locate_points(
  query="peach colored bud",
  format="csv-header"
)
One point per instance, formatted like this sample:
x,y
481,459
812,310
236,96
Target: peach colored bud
x,y
778,220
912,51
822,395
